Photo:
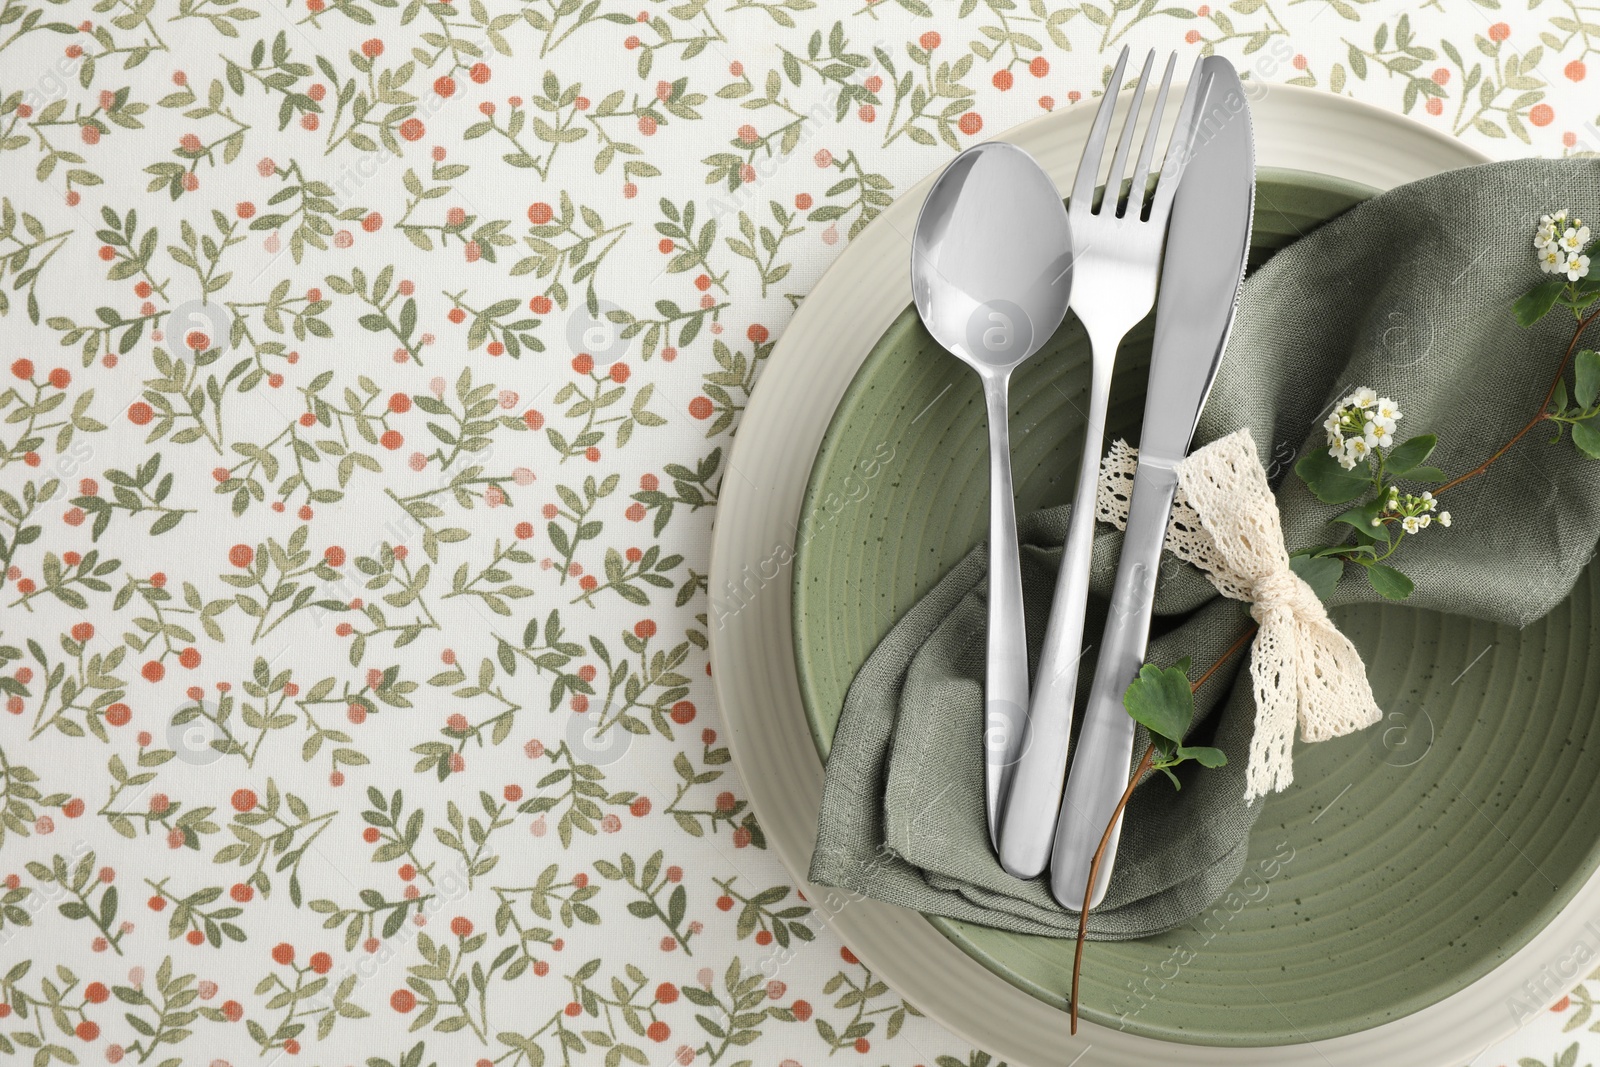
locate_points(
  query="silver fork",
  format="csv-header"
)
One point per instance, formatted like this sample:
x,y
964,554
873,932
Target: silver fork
x,y
1117,260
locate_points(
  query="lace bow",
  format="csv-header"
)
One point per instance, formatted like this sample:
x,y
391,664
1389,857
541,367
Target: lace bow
x,y
1225,522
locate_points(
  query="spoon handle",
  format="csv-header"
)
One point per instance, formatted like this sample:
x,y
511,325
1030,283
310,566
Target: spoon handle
x,y
1029,820
1006,667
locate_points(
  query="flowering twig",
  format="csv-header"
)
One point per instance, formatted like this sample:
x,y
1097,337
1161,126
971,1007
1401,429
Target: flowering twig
x,y
1156,700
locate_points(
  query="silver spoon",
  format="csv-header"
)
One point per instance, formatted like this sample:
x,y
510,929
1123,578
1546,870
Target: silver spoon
x,y
991,271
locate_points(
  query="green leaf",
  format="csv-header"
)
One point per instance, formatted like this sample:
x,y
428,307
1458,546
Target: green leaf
x,y
1388,582
1206,757
1161,701
1410,454
1536,303
1587,438
1328,481
1587,387
1320,573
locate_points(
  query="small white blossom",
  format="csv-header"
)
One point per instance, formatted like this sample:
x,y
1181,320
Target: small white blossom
x,y
1576,267
1444,518
1361,398
1388,411
1410,524
1551,259
1574,239
1375,434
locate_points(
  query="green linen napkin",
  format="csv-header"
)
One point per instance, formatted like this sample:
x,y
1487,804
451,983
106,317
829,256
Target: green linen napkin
x,y
1410,293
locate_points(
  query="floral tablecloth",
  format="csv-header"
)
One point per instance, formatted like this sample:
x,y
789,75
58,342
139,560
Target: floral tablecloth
x,y
370,368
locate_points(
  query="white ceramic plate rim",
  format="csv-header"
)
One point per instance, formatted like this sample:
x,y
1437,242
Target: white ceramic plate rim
x,y
752,639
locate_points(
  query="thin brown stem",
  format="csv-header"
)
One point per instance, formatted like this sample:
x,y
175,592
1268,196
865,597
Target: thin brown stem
x,y
1094,869
1105,838
1544,408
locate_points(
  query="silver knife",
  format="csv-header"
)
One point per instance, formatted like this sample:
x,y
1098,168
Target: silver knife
x,y
1208,242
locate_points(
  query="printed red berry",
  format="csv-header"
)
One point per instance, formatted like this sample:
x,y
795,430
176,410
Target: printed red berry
x,y
334,555
658,1031
242,893
140,413
283,953
1039,67
862,1045
412,129
391,440
461,926
620,372
583,363
372,49
763,937
700,407
370,835
195,937
118,715
60,377
244,800
82,632
232,1010
403,1000
241,555
96,993
479,73
457,316
929,41
87,1030
152,671
72,808
321,962
801,1010
970,123
1003,80
189,658
639,808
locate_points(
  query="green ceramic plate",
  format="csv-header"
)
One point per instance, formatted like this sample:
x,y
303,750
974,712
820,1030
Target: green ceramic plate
x,y
1406,861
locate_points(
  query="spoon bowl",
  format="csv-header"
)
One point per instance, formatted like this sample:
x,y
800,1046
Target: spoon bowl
x,y
991,273
991,259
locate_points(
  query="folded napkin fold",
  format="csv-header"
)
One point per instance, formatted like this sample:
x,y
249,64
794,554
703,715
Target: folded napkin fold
x,y
1409,292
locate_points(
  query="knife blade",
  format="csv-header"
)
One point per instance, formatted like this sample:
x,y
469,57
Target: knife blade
x,y
1208,242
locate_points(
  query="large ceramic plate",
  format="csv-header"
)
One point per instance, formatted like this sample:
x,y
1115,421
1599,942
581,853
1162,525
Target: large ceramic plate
x,y
754,665
1372,888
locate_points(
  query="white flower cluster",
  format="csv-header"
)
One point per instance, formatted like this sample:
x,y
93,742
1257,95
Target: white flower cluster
x,y
1559,243
1414,512
1361,422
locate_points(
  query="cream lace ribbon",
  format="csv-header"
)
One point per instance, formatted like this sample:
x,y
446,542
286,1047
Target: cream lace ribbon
x,y
1225,522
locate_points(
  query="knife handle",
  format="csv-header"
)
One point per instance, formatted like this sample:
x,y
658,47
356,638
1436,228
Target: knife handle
x,y
1027,821
1099,773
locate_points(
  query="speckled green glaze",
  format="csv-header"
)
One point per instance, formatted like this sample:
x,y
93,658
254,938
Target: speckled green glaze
x,y
1405,862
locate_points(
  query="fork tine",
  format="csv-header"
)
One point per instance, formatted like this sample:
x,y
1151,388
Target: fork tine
x,y
1113,194
1141,171
1089,165
1178,150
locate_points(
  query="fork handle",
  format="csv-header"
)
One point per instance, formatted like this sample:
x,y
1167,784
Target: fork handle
x,y
1028,820
1006,666
1105,745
